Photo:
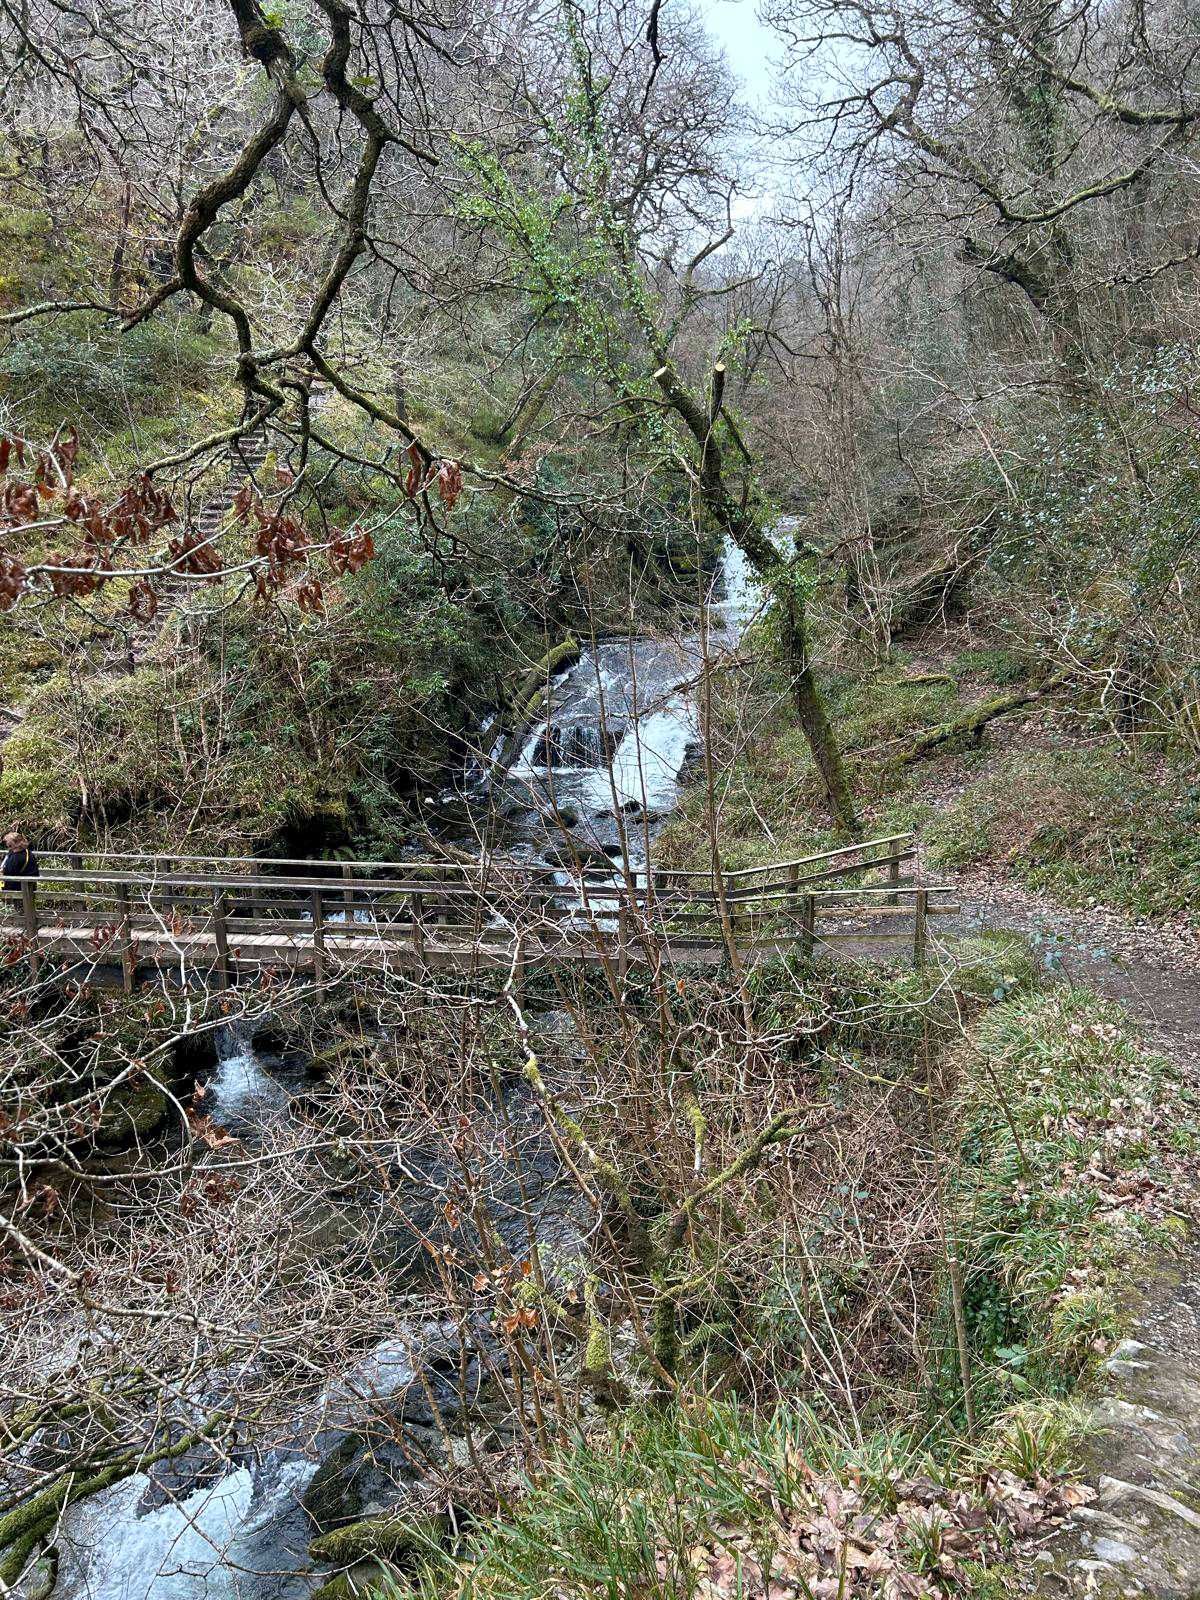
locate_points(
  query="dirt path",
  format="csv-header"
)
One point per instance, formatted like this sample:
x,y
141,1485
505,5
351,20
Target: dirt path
x,y
1152,969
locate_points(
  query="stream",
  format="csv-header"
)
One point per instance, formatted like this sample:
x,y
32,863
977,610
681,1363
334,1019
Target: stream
x,y
597,774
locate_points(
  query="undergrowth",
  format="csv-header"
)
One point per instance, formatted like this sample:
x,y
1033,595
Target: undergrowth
x,y
1059,1125
1086,826
1064,1121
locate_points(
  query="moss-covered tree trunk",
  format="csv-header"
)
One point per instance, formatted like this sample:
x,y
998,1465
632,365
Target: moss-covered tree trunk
x,y
814,719
740,524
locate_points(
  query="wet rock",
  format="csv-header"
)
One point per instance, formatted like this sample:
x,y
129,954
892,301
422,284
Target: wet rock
x,y
333,1494
195,1055
430,1175
353,1585
370,1464
39,1584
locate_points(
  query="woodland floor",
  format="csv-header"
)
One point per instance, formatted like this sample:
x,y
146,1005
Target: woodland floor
x,y
1141,1535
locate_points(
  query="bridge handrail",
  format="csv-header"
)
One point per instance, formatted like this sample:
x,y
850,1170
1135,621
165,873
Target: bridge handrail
x,y
338,888
332,867
336,870
226,921
784,866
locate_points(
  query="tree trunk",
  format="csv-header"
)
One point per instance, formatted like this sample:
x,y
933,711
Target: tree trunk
x,y
741,526
814,720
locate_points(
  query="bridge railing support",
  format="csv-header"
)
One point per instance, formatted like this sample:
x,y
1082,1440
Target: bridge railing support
x,y
29,916
223,922
808,927
125,937
318,935
220,917
894,879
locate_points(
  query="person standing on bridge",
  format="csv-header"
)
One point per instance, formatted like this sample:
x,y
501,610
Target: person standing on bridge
x,y
19,862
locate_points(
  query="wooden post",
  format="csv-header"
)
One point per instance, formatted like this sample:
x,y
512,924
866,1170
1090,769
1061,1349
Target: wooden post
x,y
623,941
808,927
418,938
793,903
737,914
30,918
793,879
125,941
221,936
348,896
318,922
921,928
894,880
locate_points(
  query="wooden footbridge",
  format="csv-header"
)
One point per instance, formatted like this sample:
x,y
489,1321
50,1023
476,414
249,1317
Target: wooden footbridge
x,y
226,919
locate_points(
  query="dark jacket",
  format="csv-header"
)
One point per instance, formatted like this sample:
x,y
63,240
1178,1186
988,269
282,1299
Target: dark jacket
x,y
18,864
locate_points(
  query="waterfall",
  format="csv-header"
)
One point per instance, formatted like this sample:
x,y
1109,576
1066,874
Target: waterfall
x,y
742,599
242,1093
623,720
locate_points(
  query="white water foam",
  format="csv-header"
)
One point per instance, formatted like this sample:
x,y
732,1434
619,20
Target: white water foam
x,y
202,1547
242,1091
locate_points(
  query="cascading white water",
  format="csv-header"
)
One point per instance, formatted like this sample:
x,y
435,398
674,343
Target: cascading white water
x,y
743,598
243,1537
623,720
220,1542
242,1094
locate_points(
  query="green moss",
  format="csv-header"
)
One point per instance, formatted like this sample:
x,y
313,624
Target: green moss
x,y
385,1537
35,786
343,1588
132,1112
95,373
1001,667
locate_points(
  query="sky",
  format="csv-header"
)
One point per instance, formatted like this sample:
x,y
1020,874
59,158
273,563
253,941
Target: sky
x,y
747,44
749,48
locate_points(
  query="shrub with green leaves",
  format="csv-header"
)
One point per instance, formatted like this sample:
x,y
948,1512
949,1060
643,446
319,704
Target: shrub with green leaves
x,y
95,375
270,728
998,665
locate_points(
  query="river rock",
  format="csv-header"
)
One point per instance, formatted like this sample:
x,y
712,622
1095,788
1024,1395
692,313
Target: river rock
x,y
333,1494
361,1580
370,1464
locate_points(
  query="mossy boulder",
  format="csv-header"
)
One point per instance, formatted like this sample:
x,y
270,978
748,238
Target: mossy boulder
x,y
134,1111
333,1492
384,1538
353,1585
